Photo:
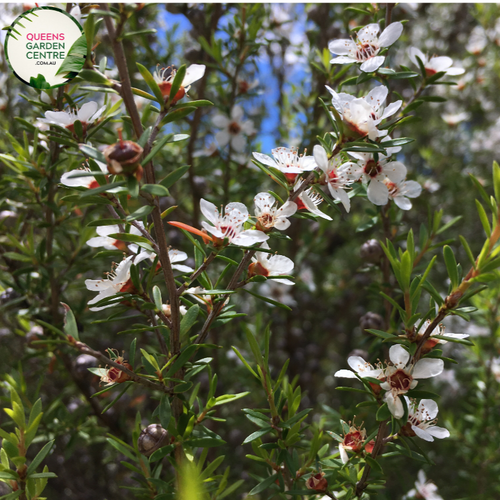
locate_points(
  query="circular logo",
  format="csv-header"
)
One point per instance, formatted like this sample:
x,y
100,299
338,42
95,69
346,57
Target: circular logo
x,y
45,47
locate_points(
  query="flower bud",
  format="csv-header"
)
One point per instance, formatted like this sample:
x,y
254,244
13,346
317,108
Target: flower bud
x,y
152,438
123,157
371,252
317,482
371,321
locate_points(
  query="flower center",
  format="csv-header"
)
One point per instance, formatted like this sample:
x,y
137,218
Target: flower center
x,y
392,187
266,220
353,440
257,269
93,184
430,71
234,128
365,51
400,381
121,245
128,286
228,231
372,168
165,88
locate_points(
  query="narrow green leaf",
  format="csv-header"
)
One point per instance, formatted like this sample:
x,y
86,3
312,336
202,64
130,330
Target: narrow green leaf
x,y
39,458
150,81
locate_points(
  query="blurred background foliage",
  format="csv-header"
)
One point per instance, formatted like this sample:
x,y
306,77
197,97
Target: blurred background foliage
x,y
277,81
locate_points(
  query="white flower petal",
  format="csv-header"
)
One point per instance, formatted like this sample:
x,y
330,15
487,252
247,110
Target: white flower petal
x,y
249,237
341,47
438,432
378,193
209,210
422,433
395,171
429,407
369,33
320,157
428,367
343,454
239,143
193,74
413,53
221,121
412,189
402,202
394,404
222,138
60,117
372,64
345,374
265,159
343,60
399,356
87,111
390,34
237,113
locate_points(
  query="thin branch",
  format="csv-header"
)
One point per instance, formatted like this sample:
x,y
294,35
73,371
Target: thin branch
x,y
85,349
200,270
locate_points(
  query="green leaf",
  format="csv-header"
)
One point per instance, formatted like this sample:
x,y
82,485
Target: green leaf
x,y
257,434
165,411
264,485
177,114
451,265
139,213
189,319
101,189
373,464
75,58
268,300
174,176
229,398
383,413
177,82
157,148
157,297
39,458
150,81
70,327
155,189
183,357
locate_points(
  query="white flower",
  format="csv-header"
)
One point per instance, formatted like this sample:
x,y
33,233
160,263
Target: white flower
x,y
423,489
337,176
234,129
87,114
89,182
367,47
176,256
400,377
309,200
478,41
422,419
361,367
165,76
376,172
401,191
453,119
439,330
230,225
435,64
76,13
266,264
117,281
166,309
362,115
103,240
288,161
269,216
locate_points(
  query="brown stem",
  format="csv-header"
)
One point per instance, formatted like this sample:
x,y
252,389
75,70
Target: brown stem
x,y
231,286
379,444
388,13
200,270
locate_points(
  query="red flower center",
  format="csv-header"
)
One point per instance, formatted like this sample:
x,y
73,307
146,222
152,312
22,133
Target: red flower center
x,y
365,51
400,380
234,128
372,168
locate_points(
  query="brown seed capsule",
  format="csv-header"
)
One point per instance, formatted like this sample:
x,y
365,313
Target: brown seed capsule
x,y
371,252
152,438
371,321
123,157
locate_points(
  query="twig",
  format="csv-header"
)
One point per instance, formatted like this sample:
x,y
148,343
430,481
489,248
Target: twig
x,y
85,349
200,270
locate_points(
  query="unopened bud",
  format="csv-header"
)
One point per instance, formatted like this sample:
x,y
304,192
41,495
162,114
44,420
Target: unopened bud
x,y
152,438
371,321
371,252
